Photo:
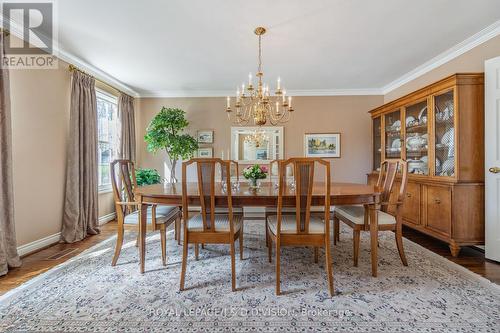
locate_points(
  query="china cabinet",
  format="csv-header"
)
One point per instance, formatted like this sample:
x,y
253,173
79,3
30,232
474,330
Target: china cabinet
x,y
439,130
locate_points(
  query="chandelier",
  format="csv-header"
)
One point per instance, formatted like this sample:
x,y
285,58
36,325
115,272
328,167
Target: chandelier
x,y
257,138
258,103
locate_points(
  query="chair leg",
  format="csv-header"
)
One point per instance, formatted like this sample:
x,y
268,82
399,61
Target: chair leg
x,y
179,228
267,235
336,230
240,241
203,246
278,287
196,251
399,243
184,262
176,231
355,244
137,240
270,248
163,234
233,267
119,243
316,254
329,268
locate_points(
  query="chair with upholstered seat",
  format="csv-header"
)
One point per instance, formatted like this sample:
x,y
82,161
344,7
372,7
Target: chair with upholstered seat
x,y
273,210
208,226
301,228
123,182
356,217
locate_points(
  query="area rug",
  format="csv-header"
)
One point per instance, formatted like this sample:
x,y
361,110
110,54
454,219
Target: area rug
x,y
86,294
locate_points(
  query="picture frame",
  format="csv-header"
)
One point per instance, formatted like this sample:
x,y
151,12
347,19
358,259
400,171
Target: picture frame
x,y
207,152
205,136
323,145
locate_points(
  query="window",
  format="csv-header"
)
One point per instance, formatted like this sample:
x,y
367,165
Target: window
x,y
108,136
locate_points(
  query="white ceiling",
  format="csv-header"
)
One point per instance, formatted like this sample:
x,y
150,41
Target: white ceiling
x,y
207,48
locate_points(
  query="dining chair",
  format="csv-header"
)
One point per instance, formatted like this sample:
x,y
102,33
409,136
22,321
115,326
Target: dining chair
x,y
223,182
356,216
301,228
273,210
123,182
208,226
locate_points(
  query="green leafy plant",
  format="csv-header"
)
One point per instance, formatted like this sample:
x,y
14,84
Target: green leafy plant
x,y
147,177
164,132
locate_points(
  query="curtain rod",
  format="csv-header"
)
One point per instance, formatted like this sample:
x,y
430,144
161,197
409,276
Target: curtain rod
x,y
73,68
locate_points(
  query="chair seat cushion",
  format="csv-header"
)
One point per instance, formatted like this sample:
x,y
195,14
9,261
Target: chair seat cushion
x,y
163,215
356,214
289,224
221,223
218,210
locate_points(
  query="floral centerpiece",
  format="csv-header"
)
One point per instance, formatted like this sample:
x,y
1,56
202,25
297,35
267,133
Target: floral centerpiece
x,y
255,172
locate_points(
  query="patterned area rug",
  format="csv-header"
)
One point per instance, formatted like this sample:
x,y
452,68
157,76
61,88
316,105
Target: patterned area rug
x,y
86,294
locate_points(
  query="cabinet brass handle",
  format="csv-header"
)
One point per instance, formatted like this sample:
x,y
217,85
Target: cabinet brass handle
x,y
494,170
408,195
437,201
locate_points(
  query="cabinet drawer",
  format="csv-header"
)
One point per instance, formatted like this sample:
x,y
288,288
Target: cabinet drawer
x,y
411,205
438,207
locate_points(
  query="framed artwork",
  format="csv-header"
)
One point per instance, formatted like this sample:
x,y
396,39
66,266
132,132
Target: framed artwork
x,y
205,152
325,145
205,136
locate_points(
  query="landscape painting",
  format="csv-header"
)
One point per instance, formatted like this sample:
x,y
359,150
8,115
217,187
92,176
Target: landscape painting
x,y
325,145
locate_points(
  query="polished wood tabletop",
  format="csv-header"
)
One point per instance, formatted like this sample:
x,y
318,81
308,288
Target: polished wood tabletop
x,y
266,195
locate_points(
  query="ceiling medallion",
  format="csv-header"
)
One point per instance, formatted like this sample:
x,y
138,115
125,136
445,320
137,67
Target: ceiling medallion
x,y
258,103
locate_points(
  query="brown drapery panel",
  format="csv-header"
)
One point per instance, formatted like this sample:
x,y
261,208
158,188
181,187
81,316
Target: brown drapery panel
x,y
80,203
8,246
127,118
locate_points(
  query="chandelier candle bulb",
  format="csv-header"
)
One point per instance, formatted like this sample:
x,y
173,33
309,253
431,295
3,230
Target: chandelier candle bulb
x,y
228,102
279,83
290,101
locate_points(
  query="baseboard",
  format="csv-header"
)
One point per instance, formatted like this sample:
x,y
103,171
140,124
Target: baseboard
x,y
107,218
38,244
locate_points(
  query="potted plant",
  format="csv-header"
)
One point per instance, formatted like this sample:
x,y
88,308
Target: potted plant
x,y
254,173
165,131
147,177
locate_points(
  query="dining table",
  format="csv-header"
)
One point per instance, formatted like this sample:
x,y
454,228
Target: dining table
x,y
264,196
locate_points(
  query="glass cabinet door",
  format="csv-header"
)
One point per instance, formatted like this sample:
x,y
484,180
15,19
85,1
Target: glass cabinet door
x,y
377,143
444,134
393,142
417,138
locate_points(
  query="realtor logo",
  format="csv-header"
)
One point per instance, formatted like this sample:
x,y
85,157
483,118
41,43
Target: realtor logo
x,y
30,43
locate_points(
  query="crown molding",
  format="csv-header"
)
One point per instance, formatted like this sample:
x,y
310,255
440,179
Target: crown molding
x,y
17,30
475,40
224,93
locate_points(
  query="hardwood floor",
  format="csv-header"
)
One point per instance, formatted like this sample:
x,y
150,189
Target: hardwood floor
x,y
39,262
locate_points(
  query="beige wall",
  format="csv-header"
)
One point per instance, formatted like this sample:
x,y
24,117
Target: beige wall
x,y
471,61
345,114
40,120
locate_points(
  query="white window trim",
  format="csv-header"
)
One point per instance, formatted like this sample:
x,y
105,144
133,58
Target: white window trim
x,y
107,188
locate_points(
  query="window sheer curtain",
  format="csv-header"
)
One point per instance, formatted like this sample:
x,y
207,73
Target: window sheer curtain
x,y
127,119
8,245
80,217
